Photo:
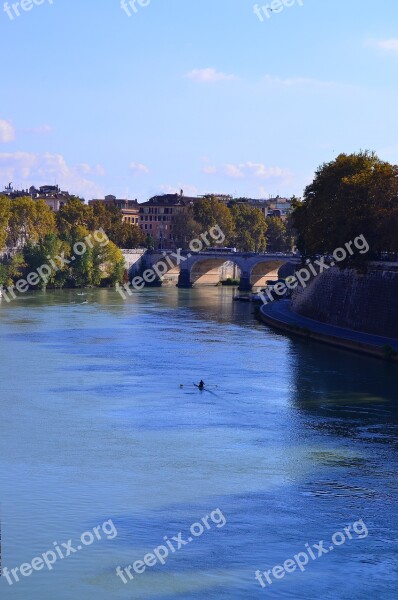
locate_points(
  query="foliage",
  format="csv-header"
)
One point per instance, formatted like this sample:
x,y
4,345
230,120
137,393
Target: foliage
x,y
185,229
29,220
149,242
11,269
356,194
120,233
5,213
48,240
36,254
210,212
250,228
279,235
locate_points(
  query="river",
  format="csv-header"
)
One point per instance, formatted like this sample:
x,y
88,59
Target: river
x,y
292,442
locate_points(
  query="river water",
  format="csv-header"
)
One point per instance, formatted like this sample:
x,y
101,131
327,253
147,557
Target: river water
x,y
292,442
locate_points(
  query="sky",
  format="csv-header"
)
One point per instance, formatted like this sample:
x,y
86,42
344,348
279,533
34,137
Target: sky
x,y
207,96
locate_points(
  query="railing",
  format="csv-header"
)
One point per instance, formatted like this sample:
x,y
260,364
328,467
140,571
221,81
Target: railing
x,y
133,250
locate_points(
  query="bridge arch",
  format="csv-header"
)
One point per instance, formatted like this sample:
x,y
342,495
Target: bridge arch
x,y
213,269
266,269
166,269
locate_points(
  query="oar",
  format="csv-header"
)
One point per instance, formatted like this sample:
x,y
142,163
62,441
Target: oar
x,y
205,390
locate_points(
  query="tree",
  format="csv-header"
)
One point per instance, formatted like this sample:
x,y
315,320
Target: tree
x,y
71,215
250,227
36,255
29,220
210,212
112,264
149,242
123,234
127,236
185,229
356,194
5,214
11,269
45,221
279,239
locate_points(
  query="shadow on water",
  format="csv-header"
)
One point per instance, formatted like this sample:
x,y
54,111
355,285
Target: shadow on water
x,y
343,388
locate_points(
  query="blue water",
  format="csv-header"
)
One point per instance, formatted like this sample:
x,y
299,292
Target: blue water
x,y
293,442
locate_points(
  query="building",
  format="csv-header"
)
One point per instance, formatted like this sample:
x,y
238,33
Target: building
x,y
270,207
224,198
279,207
128,208
52,195
157,216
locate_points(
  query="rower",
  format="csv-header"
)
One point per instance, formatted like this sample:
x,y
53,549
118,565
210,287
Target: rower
x,y
201,384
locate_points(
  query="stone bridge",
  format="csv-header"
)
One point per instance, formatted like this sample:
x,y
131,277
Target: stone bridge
x,y
208,268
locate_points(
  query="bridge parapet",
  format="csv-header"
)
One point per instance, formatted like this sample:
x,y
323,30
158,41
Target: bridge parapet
x,y
204,266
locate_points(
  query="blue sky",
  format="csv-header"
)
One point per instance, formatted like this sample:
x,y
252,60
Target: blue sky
x,y
194,94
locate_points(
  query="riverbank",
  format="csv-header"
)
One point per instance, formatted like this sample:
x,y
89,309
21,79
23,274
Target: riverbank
x,y
281,316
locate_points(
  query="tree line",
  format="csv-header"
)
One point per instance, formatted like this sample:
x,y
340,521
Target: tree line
x,y
31,234
244,226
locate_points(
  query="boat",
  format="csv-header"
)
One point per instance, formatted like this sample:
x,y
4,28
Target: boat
x,y
239,298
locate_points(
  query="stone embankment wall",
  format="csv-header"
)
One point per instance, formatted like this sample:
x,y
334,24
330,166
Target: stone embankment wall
x,y
346,298
133,259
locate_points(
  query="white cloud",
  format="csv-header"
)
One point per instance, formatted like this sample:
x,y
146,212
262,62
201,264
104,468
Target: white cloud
x,y
87,169
138,168
297,81
25,169
209,170
7,131
234,171
390,45
249,170
260,170
209,75
40,129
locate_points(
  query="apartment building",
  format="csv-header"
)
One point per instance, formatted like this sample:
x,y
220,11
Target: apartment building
x,y
128,208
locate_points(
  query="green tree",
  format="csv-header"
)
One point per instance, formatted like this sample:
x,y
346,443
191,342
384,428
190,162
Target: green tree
x,y
127,236
112,264
279,238
149,242
185,229
44,221
11,269
123,234
36,255
250,227
5,214
356,194
210,212
29,220
72,215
